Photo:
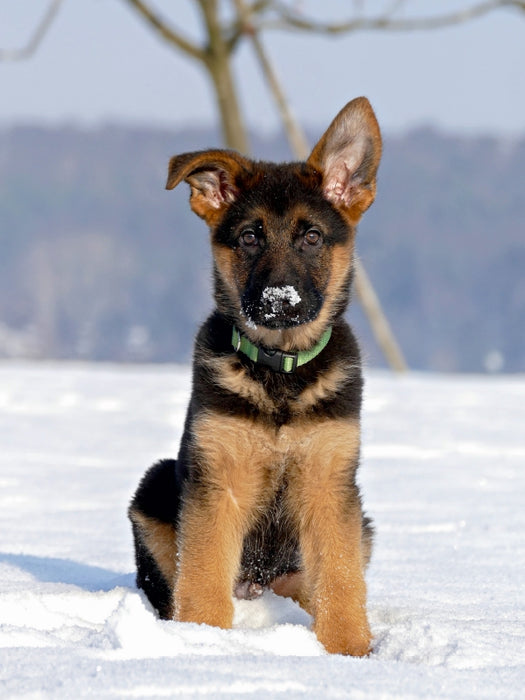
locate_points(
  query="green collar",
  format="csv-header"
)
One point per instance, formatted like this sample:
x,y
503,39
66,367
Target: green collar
x,y
278,360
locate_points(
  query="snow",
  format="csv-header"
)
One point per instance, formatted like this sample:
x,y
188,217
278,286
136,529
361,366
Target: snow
x,y
277,296
442,475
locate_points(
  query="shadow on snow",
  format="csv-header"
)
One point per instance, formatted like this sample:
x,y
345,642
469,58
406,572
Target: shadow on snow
x,y
53,570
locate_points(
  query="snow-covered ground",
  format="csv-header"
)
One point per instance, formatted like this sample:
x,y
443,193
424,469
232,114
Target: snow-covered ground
x,y
443,475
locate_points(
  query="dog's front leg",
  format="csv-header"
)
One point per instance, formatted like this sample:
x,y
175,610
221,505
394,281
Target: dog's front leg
x,y
329,516
220,506
211,537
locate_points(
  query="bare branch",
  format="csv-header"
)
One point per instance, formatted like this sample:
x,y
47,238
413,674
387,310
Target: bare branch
x,y
168,33
289,19
241,26
29,49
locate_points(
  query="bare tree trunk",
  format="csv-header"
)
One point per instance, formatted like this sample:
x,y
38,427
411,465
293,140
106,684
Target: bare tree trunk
x,y
218,63
232,126
379,324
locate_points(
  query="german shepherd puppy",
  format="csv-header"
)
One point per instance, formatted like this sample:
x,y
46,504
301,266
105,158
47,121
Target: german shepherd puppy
x,y
263,493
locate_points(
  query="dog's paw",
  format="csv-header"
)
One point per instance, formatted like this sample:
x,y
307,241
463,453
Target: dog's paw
x,y
339,636
214,612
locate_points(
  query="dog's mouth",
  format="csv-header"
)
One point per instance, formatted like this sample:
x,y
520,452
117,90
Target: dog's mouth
x,y
280,307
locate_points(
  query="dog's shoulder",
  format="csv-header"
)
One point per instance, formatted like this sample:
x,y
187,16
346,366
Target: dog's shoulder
x,y
227,382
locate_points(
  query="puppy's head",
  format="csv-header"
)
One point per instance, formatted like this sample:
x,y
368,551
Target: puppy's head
x,y
283,235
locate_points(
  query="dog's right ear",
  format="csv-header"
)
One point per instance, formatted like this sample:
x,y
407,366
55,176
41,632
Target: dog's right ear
x,y
214,178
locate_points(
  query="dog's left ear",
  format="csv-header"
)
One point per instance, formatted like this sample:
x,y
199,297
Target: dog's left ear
x,y
348,156
214,178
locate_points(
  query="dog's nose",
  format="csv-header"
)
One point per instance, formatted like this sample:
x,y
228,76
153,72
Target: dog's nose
x,y
278,301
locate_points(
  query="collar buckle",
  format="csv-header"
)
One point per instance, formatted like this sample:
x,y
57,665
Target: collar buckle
x,y
278,360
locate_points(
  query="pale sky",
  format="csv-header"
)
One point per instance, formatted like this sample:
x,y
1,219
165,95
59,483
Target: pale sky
x,y
99,63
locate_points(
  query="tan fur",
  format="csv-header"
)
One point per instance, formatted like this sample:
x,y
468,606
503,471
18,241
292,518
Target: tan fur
x,y
230,375
324,388
201,206
291,586
224,260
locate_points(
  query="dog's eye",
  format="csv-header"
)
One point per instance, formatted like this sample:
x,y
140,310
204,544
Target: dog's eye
x,y
249,237
312,237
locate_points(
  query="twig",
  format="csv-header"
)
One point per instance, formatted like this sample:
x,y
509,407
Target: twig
x,y
288,19
43,27
169,34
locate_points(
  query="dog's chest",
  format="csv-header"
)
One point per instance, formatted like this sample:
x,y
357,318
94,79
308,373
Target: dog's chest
x,y
279,400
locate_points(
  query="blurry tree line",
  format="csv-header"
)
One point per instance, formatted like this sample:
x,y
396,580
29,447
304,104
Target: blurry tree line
x,y
99,262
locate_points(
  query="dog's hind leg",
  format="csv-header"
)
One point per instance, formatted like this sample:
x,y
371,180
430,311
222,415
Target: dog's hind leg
x,y
292,585
153,515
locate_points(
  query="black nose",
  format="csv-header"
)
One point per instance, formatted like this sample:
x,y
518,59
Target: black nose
x,y
281,306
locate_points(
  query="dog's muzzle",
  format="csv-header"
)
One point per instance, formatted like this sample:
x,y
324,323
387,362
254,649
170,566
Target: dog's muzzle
x,y
281,307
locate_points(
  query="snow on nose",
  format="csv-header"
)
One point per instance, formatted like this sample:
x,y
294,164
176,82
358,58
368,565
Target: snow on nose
x,y
275,299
